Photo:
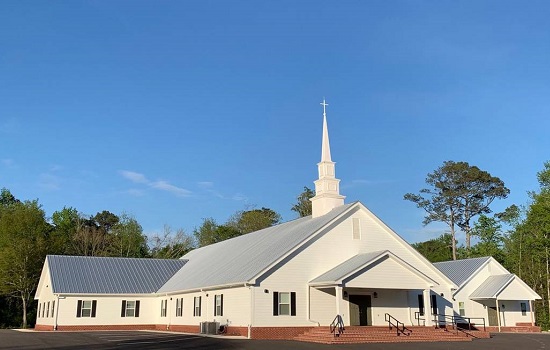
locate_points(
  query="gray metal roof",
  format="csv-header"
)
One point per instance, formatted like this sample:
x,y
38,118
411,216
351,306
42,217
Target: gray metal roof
x,y
347,267
99,275
492,286
459,271
240,259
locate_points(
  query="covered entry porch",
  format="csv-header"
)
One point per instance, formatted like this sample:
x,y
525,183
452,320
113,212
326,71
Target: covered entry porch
x,y
366,287
503,298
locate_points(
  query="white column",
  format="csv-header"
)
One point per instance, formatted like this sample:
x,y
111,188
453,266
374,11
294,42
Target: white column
x,y
427,307
338,298
498,315
531,311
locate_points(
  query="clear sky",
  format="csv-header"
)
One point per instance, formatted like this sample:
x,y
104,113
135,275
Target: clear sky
x,y
174,111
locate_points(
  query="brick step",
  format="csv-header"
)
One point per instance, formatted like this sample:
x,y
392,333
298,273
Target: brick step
x,y
355,334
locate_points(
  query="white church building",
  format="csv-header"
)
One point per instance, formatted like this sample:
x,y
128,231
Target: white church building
x,y
284,280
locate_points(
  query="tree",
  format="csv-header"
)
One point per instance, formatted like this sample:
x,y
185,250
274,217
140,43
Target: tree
x,y
23,246
254,220
6,198
491,239
458,193
66,223
127,239
210,232
437,249
303,206
171,246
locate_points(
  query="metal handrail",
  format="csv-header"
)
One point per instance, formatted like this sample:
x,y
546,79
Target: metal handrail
x,y
417,317
401,330
337,325
455,321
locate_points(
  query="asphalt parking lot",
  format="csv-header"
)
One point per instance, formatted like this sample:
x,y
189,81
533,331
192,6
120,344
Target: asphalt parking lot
x,y
30,340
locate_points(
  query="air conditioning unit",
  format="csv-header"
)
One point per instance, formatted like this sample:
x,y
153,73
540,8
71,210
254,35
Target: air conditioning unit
x,y
209,327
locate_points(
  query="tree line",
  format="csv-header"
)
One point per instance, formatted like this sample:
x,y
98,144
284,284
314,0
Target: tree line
x,y
27,235
457,194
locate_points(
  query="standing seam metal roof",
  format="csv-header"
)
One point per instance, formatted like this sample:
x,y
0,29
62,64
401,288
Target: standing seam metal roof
x,y
459,271
105,275
344,269
240,259
492,286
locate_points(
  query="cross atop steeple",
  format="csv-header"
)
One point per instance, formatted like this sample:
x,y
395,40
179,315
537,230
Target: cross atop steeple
x,y
327,188
324,104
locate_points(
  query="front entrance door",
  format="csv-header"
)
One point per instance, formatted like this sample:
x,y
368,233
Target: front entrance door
x,y
360,313
492,315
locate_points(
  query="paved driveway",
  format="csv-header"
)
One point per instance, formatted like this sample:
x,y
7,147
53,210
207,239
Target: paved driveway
x,y
16,340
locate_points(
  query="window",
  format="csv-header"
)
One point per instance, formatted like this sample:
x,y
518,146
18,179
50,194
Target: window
x,y
356,224
130,308
284,303
163,307
48,310
523,309
197,306
420,305
86,308
53,307
461,309
179,307
218,305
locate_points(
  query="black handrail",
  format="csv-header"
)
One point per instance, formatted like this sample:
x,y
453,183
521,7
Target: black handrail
x,y
455,321
392,321
417,317
337,325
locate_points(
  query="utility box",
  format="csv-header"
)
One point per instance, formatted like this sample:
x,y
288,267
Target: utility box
x,y
209,327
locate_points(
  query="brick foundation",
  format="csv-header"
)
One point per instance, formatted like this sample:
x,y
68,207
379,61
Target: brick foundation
x,y
515,329
184,328
278,332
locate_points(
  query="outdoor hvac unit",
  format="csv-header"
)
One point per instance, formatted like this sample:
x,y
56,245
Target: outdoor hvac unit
x,y
209,327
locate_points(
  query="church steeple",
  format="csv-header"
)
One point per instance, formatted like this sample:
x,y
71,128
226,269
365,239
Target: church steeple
x,y
327,187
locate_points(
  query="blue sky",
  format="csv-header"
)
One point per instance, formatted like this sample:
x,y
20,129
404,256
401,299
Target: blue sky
x,y
174,111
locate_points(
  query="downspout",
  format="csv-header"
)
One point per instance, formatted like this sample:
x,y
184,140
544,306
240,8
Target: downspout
x,y
56,313
308,303
531,309
251,319
498,315
168,311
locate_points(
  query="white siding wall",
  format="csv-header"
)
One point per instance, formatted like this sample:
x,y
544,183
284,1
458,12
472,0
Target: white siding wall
x,y
46,295
328,251
509,315
236,308
108,311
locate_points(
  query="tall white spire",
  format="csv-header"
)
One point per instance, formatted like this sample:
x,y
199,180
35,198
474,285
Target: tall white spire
x,y
325,151
327,187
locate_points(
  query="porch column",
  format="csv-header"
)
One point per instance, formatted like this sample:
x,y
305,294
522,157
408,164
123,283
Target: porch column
x,y
427,307
338,298
498,315
531,312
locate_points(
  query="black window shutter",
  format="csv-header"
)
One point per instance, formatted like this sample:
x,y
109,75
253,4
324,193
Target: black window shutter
x,y
221,305
123,309
137,308
421,304
275,303
79,308
195,306
292,303
181,306
94,306
215,305
434,305
200,305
